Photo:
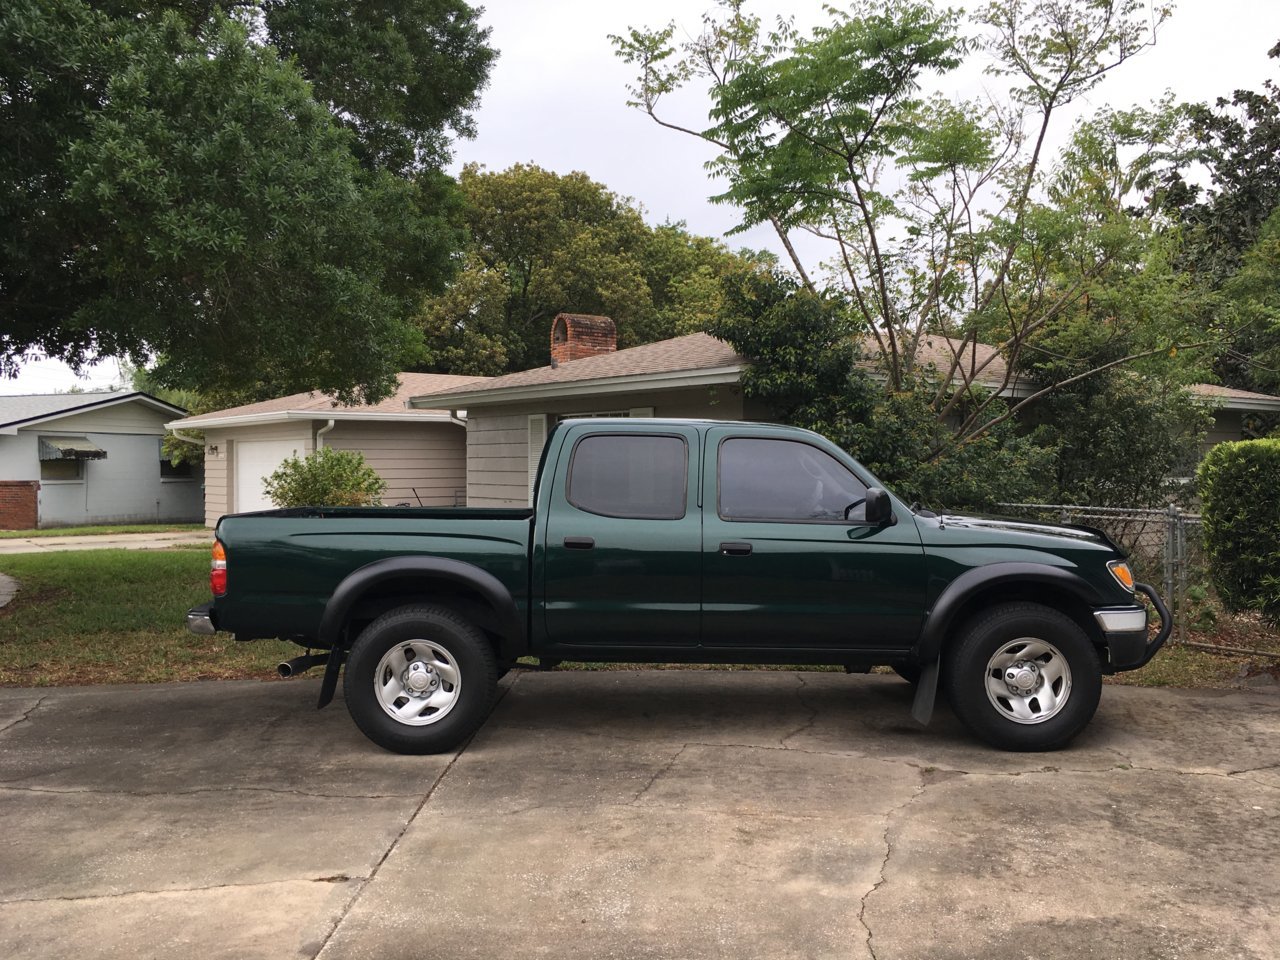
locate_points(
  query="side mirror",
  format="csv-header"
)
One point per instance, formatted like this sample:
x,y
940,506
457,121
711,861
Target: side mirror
x,y
879,507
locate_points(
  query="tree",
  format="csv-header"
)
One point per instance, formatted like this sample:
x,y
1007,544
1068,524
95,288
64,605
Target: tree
x,y
170,185
934,208
542,243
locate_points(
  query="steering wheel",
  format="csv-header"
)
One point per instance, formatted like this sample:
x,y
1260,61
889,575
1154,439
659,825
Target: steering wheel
x,y
853,506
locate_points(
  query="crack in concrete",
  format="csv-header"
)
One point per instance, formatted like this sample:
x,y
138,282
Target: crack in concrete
x,y
91,791
25,716
884,864
813,713
338,878
1268,766
503,690
659,774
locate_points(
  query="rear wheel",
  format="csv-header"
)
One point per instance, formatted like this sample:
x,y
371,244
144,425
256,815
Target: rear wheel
x,y
420,679
1024,677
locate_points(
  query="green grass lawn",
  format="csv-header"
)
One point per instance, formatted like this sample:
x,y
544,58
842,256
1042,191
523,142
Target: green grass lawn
x,y
90,531
118,616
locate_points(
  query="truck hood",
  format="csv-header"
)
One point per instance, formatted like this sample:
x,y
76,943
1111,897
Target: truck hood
x,y
1070,532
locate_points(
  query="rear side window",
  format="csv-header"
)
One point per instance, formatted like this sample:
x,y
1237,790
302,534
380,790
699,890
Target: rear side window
x,y
765,479
630,475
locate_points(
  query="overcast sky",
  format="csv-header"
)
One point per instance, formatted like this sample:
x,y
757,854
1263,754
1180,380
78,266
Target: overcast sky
x,y
557,98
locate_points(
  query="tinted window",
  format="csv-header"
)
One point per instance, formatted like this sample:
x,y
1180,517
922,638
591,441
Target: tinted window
x,y
630,476
785,480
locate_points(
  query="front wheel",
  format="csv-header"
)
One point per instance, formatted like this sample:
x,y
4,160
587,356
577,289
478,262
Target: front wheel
x,y
1024,677
420,679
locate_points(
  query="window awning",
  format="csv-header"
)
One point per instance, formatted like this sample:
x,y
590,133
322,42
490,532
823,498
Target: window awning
x,y
70,448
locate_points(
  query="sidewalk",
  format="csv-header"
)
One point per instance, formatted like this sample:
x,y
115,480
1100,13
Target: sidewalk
x,y
108,541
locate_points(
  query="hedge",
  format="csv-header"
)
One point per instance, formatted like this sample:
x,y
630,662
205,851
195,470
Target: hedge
x,y
1239,486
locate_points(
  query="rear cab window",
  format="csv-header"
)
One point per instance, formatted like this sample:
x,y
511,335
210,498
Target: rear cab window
x,y
630,476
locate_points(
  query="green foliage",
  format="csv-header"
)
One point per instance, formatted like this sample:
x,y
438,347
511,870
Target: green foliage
x,y
542,243
169,184
808,368
945,218
326,478
1239,487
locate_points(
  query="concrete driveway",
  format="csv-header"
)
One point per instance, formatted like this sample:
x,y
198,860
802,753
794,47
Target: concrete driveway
x,y
634,815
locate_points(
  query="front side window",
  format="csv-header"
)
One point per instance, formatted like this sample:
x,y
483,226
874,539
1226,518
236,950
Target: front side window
x,y
764,479
630,475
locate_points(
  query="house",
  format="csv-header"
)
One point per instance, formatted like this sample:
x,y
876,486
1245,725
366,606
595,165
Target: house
x,y
86,458
420,453
690,376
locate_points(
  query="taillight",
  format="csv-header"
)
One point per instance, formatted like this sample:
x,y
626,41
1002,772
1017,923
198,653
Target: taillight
x,y
218,569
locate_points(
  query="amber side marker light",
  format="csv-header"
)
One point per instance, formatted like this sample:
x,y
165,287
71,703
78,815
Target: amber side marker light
x,y
218,569
1120,570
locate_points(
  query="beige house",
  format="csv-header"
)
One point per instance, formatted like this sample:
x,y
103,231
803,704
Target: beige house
x,y
420,453
507,417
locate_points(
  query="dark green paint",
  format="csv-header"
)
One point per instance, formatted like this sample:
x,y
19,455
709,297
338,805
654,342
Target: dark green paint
x,y
658,589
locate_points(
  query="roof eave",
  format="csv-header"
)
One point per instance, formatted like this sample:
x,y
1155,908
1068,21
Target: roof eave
x,y
284,416
601,386
12,427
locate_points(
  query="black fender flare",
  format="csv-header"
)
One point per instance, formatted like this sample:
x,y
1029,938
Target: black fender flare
x,y
510,625
507,616
941,616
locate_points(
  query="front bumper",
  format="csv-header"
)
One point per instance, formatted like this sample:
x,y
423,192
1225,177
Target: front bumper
x,y
200,620
1125,630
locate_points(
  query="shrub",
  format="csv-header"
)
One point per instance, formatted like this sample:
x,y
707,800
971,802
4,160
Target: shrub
x,y
1240,487
326,478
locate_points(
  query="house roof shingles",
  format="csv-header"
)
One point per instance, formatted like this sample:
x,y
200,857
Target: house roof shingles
x,y
23,408
693,352
411,384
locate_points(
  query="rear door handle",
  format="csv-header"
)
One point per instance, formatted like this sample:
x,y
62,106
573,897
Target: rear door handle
x,y
735,549
579,543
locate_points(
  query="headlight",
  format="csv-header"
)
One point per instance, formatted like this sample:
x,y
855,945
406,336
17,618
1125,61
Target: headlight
x,y
1124,576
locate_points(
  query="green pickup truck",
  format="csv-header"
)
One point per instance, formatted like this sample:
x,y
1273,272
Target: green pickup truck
x,y
685,541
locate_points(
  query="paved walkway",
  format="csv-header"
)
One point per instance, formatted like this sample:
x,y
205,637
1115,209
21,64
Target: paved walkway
x,y
637,815
8,589
107,541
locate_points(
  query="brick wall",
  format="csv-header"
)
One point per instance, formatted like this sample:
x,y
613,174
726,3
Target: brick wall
x,y
578,335
18,509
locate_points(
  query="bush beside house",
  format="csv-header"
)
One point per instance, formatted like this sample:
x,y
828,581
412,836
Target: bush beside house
x,y
1240,488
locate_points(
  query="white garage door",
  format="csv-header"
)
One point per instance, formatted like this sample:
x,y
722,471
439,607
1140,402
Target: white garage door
x,y
255,460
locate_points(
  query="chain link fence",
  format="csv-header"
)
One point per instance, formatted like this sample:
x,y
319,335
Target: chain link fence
x,y
1165,546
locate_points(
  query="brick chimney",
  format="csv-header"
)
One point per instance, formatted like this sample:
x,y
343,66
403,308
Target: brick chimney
x,y
578,335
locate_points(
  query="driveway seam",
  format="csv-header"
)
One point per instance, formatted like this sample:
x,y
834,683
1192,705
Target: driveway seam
x,y
884,864
25,716
176,890
365,881
90,791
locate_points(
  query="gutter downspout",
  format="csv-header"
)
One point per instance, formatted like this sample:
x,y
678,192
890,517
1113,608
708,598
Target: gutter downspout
x,y
321,432
459,417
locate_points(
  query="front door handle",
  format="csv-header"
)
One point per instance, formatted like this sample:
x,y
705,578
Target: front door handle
x,y
735,549
579,543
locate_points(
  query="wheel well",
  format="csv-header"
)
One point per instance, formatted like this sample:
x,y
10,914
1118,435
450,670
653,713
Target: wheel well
x,y
1064,601
386,595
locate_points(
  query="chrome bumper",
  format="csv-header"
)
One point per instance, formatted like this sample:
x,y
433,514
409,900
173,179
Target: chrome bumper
x,y
200,620
1125,631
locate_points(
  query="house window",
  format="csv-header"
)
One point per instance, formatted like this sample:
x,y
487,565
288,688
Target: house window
x,y
62,470
168,471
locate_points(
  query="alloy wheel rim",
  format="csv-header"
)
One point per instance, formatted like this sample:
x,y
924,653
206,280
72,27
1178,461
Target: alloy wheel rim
x,y
417,682
1028,681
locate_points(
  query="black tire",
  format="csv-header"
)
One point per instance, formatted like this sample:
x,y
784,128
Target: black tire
x,y
1055,677
454,658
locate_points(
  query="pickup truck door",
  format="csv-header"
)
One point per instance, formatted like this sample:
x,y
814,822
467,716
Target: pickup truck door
x,y
623,538
782,567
